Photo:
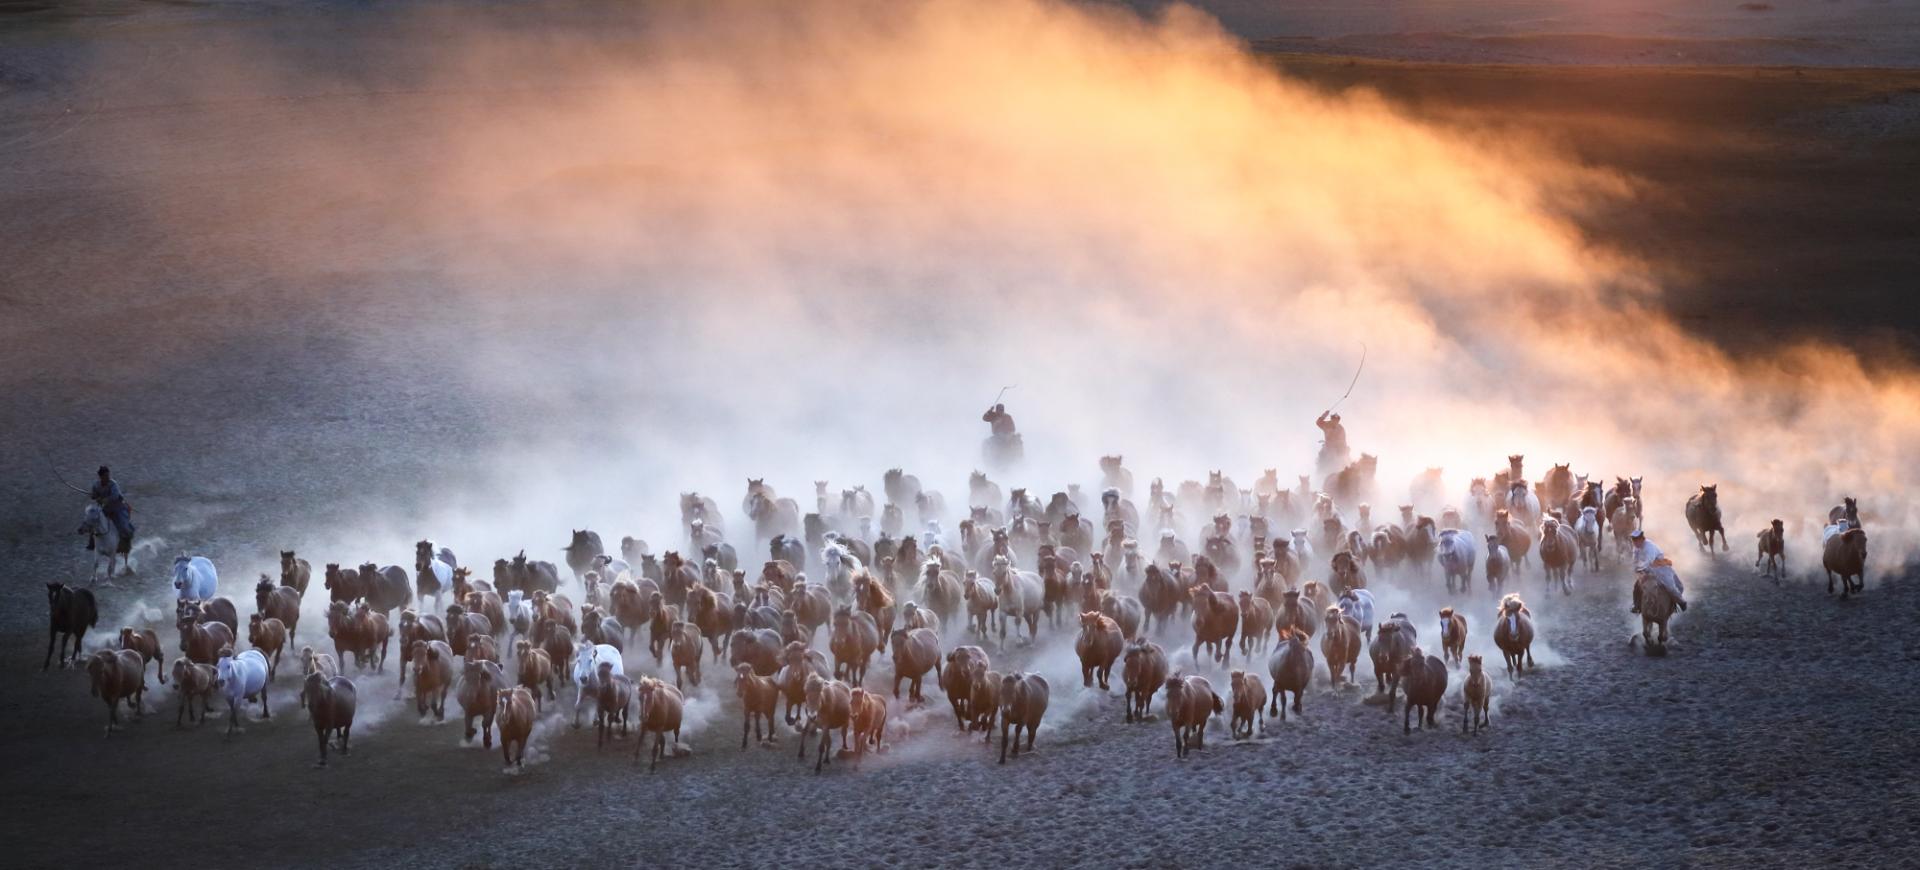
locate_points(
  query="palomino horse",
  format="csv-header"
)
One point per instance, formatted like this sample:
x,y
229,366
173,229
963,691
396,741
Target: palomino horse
x,y
1656,607
103,538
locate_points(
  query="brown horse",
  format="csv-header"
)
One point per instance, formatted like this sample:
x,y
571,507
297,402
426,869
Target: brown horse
x,y
1316,595
1347,573
915,652
480,685
1845,553
70,612
278,602
1558,551
1514,538
1478,695
1291,667
613,698
1657,605
192,681
295,573
1340,645
115,676
269,636
1099,644
1513,633
1023,702
332,702
514,715
1424,678
686,653
1256,619
956,679
536,670
1772,548
432,677
1143,671
1249,702
829,706
661,708
1216,616
712,613
869,721
1190,703
1453,635
147,644
1703,516
758,697
853,642
1296,614
1391,646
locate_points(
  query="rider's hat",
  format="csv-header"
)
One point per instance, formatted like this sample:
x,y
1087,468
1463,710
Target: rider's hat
x,y
1638,535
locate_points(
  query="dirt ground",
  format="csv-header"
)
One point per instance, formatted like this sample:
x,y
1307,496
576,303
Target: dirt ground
x,y
1775,732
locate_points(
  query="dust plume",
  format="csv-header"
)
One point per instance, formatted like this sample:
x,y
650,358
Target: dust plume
x,y
674,248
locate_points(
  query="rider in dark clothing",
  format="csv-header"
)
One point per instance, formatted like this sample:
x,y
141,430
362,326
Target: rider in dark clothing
x,y
106,493
1001,420
1334,433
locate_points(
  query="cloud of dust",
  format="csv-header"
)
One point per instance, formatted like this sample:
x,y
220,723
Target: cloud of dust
x,y
746,242
690,245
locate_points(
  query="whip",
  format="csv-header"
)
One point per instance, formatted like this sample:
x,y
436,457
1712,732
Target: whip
x,y
60,477
1356,379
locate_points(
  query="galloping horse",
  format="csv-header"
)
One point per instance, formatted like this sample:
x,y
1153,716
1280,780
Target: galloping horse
x,y
1656,607
104,539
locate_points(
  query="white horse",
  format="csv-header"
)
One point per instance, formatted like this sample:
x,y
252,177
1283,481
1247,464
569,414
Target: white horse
x,y
1523,506
194,577
1456,550
1302,548
442,575
104,537
1357,604
586,673
840,566
519,615
241,679
1020,595
1479,509
1586,535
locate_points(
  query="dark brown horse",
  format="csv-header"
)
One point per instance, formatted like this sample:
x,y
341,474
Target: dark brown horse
x,y
70,612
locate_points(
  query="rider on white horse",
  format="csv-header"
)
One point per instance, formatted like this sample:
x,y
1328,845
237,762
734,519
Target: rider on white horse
x,y
106,493
1647,559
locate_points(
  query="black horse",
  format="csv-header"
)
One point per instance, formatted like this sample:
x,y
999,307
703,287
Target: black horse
x,y
70,612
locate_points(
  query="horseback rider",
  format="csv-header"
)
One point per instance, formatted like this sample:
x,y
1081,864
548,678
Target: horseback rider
x,y
1001,420
1649,560
1002,449
1334,454
106,493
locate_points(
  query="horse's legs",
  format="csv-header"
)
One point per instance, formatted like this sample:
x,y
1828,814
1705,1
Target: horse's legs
x,y
53,632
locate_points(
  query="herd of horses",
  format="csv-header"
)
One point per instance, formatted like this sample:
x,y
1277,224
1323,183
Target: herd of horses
x,y
1258,571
